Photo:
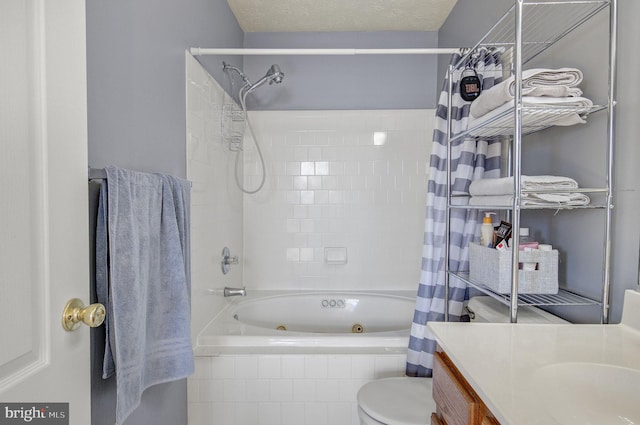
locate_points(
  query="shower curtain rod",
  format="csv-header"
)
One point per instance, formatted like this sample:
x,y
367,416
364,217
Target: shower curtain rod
x,y
199,51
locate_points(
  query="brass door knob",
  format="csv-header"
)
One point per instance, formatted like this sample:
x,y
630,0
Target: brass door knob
x,y
75,313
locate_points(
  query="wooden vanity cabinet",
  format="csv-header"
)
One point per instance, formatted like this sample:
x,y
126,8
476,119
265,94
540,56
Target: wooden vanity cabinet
x,y
456,402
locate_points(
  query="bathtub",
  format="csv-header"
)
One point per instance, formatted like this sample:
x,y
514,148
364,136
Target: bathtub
x,y
310,322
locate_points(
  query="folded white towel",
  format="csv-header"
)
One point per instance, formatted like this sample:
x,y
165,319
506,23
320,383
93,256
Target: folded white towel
x,y
504,185
535,82
533,199
560,111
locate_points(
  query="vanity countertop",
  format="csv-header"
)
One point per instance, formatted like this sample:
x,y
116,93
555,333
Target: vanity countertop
x,y
508,364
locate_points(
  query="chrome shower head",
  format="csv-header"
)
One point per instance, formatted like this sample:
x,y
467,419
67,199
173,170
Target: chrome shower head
x,y
275,74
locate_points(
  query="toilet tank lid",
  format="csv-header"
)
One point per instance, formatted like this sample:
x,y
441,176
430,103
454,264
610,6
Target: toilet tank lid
x,y
488,309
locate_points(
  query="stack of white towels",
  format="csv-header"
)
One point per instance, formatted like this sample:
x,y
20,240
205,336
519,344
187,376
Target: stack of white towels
x,y
499,192
541,87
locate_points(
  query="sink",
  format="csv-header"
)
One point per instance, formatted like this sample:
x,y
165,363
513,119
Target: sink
x,y
589,393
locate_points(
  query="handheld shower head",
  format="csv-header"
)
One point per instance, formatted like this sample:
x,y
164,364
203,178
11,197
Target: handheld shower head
x,y
273,75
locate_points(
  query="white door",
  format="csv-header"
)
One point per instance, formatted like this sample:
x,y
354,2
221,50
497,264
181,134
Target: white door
x,y
43,208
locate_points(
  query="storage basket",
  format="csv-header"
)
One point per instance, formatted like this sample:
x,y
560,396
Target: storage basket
x,y
492,268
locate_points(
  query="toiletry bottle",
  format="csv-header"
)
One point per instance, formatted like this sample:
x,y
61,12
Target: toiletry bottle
x,y
486,230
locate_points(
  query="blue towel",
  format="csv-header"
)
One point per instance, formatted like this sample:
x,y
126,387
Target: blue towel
x,y
143,277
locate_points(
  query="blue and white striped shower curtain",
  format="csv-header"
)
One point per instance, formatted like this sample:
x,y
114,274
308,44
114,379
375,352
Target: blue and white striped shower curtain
x,y
471,159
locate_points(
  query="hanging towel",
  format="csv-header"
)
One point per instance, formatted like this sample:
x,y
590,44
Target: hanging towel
x,y
535,82
504,185
143,233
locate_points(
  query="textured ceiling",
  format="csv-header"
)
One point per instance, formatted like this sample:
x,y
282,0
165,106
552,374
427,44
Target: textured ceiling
x,y
340,15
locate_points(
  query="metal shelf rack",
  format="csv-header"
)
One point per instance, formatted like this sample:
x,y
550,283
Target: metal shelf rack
x,y
526,30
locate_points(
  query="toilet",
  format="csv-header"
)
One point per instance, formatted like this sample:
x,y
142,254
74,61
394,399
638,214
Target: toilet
x,y
408,401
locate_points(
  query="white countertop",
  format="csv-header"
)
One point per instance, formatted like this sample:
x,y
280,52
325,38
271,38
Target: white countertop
x,y
500,361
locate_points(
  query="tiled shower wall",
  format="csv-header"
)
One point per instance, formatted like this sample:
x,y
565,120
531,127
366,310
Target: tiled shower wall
x,y
351,180
216,203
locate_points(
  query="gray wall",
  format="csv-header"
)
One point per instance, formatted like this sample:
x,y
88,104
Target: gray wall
x,y
579,151
136,113
136,85
344,82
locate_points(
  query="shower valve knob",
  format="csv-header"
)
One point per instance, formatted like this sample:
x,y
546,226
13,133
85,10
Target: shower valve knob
x,y
231,260
228,260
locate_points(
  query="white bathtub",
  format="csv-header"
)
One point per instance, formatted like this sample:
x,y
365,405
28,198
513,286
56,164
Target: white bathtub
x,y
315,322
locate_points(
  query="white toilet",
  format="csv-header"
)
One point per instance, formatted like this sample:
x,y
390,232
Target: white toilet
x,y
408,401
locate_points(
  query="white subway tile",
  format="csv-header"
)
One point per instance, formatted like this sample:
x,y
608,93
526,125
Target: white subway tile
x,y
293,196
292,413
223,367
304,390
300,211
322,168
201,414
307,197
269,367
307,225
307,168
348,389
292,367
306,254
281,390
258,390
300,182
314,182
292,168
316,414
202,368
340,413
246,367
315,367
269,414
246,414
339,366
211,390
221,414
362,367
327,390
234,390
293,225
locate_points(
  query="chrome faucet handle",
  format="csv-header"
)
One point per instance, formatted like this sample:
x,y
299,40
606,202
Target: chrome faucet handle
x,y
231,260
228,260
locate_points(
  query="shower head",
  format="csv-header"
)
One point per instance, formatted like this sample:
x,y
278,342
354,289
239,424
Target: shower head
x,y
273,75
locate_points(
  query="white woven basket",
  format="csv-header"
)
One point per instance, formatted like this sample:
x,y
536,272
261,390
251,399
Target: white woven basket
x,y
492,268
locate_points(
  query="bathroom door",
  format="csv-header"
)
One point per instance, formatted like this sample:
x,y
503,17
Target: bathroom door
x,y
43,211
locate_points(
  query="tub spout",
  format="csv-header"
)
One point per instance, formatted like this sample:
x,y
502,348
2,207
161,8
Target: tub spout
x,y
233,292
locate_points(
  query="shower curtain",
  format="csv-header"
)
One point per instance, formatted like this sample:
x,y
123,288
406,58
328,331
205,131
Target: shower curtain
x,y
471,159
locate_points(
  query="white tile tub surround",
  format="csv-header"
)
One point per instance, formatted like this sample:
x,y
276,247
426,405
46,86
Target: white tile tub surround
x,y
216,214
350,179
284,389
335,179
